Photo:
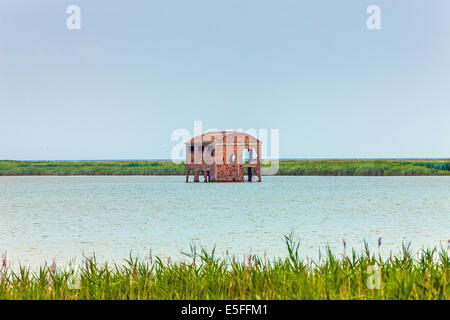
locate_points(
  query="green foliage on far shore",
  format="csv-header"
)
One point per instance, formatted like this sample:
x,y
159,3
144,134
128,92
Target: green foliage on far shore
x,y
364,276
365,167
92,168
294,167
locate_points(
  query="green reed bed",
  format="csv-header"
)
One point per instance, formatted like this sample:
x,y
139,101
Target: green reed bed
x,y
295,168
204,276
365,168
93,168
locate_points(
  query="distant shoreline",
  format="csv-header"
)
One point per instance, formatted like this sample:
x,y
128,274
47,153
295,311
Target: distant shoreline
x,y
347,167
281,159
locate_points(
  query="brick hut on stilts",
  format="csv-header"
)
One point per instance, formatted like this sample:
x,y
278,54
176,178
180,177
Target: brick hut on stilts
x,y
223,156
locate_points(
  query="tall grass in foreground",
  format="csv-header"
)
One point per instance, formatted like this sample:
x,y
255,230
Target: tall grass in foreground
x,y
206,276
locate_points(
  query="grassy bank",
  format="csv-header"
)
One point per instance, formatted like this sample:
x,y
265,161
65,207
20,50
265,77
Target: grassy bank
x,y
366,167
203,276
311,167
103,168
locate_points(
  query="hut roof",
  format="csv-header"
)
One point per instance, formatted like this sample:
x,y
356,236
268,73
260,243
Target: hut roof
x,y
208,137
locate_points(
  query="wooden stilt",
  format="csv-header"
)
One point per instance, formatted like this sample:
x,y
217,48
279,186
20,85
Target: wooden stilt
x,y
196,177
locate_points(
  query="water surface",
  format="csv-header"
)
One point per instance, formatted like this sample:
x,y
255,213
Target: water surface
x,y
60,218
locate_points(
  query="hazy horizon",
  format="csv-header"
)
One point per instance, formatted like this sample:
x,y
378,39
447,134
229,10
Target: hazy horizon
x,y
138,70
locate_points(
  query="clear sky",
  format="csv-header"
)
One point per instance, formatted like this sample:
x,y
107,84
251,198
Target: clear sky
x,y
137,70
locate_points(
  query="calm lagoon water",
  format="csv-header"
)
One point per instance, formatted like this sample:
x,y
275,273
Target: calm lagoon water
x,y
63,218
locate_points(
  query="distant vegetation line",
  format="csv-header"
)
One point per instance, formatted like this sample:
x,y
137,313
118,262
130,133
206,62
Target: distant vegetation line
x,y
398,167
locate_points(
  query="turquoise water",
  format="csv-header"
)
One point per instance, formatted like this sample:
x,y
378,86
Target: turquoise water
x,y
63,218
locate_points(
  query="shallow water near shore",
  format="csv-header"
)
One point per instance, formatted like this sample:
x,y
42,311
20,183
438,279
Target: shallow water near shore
x,y
63,218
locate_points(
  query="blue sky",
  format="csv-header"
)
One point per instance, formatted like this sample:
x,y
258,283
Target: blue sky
x,y
137,70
